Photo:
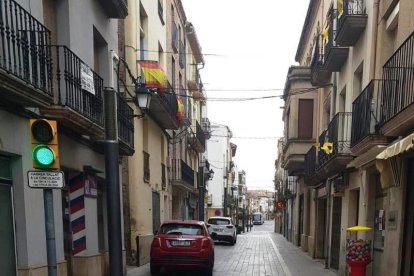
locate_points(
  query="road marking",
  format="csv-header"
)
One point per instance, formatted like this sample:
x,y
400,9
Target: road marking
x,y
279,256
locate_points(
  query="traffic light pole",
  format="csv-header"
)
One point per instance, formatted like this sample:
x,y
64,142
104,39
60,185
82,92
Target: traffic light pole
x,y
50,232
112,184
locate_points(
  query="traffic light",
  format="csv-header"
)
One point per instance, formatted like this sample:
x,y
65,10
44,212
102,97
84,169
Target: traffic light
x,y
45,151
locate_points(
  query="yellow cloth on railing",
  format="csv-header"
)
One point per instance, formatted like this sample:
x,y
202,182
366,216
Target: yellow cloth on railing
x,y
180,110
340,4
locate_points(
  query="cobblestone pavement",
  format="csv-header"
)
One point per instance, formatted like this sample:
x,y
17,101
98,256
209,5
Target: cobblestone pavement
x,y
257,253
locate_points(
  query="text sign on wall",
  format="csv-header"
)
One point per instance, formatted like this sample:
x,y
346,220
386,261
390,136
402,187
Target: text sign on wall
x,y
45,179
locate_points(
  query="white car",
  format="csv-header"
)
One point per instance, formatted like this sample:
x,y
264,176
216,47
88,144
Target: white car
x,y
222,229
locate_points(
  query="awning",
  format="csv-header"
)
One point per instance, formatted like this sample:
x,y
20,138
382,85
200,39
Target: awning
x,y
389,163
398,147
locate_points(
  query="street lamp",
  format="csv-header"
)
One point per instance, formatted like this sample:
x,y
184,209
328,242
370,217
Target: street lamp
x,y
143,97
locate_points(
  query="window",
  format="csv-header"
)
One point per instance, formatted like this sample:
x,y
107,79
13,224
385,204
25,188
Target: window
x,y
163,178
161,11
305,118
146,167
181,229
219,221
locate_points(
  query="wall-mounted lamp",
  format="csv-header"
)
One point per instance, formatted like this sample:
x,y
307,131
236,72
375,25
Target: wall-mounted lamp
x,y
142,99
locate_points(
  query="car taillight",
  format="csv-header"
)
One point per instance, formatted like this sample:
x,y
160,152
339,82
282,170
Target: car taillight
x,y
156,242
230,226
205,244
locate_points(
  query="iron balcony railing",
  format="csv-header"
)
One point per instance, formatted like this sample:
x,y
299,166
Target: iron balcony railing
x,y
310,162
125,122
182,172
25,46
200,135
364,113
331,34
169,100
398,75
71,88
339,134
351,7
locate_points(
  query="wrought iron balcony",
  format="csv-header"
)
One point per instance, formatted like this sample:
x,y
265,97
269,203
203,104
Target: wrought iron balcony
x,y
319,75
310,165
163,107
397,97
339,134
79,92
115,8
351,23
365,133
25,58
335,55
182,174
206,125
125,127
198,140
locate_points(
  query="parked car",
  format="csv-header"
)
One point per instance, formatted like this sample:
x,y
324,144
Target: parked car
x,y
222,229
182,244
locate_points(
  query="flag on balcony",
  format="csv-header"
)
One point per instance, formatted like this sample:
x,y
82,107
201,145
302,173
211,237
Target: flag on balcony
x,y
180,110
340,8
325,33
152,74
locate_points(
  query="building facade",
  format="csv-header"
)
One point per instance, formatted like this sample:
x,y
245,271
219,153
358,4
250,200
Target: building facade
x,y
355,171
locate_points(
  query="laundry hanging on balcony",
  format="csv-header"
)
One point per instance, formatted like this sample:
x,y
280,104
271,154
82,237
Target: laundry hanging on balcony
x,y
152,74
180,110
340,4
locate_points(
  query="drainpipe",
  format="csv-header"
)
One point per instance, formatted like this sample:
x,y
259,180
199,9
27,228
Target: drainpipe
x,y
374,40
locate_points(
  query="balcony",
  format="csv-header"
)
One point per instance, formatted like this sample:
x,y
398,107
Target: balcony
x,y
25,58
294,154
125,127
163,106
335,55
115,8
79,93
196,87
206,125
351,23
339,134
182,175
310,165
319,75
364,134
197,140
397,97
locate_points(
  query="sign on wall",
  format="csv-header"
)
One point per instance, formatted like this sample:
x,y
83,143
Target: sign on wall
x,y
87,78
91,186
45,179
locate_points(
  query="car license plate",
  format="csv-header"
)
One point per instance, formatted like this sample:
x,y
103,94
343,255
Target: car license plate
x,y
218,230
180,243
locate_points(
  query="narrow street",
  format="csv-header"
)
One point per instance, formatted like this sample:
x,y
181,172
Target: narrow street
x,y
259,252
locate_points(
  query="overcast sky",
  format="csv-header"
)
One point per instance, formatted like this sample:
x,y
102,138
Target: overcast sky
x,y
248,45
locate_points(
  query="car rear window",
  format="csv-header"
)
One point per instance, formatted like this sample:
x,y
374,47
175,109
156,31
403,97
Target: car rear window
x,y
219,221
181,229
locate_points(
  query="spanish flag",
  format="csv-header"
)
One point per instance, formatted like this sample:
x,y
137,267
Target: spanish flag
x,y
152,74
340,8
180,110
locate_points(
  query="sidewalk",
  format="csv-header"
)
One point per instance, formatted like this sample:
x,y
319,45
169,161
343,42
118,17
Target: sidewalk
x,y
299,262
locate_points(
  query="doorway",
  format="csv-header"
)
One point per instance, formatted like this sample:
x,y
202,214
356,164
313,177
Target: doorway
x,y
156,216
7,237
336,232
407,256
320,228
379,227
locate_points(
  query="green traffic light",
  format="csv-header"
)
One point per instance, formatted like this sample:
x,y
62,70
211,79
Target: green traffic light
x,y
43,155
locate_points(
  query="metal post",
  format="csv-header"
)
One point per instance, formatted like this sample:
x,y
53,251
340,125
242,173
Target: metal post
x,y
201,194
112,184
244,217
50,232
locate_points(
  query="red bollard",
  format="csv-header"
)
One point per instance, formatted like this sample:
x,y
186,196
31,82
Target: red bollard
x,y
356,268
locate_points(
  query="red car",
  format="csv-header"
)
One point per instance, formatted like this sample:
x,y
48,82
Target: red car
x,y
182,244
